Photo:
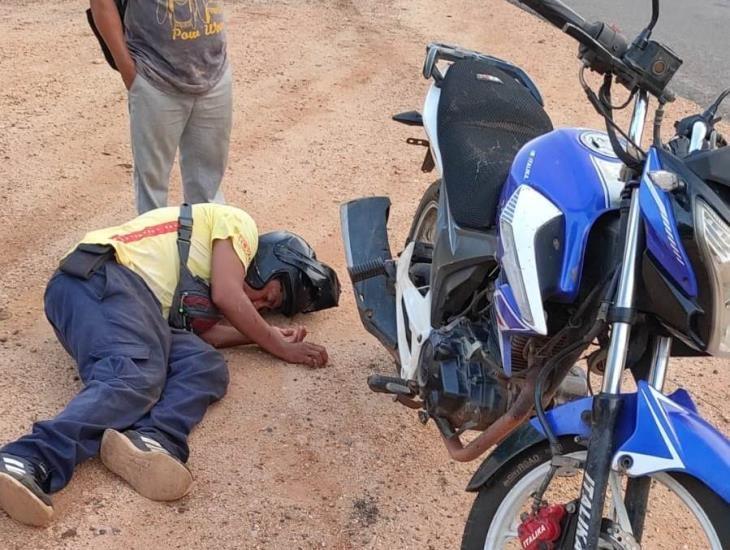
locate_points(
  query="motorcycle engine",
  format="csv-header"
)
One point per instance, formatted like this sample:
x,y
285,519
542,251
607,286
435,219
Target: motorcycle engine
x,y
460,379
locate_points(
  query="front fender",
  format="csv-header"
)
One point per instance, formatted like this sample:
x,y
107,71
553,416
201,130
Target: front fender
x,y
654,433
670,436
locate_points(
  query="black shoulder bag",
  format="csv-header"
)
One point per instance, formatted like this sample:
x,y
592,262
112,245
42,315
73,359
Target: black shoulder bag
x,y
121,8
192,308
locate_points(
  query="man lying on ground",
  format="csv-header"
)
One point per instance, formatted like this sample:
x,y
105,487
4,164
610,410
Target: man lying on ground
x,y
141,307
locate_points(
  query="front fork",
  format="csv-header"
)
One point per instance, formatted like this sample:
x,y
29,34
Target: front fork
x,y
606,404
637,488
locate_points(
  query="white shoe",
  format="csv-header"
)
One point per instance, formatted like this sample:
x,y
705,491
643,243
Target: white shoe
x,y
145,464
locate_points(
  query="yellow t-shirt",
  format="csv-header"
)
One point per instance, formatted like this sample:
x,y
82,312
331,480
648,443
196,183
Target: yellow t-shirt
x,y
148,244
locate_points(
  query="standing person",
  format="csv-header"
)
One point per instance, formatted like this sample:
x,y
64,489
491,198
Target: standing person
x,y
171,55
118,305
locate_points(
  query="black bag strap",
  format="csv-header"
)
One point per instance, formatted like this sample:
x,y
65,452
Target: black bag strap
x,y
122,9
176,317
184,233
188,284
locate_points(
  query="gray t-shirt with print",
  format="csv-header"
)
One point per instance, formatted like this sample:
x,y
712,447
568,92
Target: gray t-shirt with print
x,y
178,45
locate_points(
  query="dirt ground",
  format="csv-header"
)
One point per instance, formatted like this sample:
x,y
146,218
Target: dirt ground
x,y
290,458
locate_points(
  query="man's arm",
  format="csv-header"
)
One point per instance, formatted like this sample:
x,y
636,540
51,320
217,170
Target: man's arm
x,y
223,335
107,20
227,276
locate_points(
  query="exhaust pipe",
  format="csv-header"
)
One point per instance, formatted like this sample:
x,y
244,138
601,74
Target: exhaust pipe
x,y
518,413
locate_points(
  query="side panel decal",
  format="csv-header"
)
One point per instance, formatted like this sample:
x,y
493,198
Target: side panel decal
x,y
662,236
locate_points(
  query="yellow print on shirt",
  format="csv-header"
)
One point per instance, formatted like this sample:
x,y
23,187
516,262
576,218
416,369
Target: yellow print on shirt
x,y
191,19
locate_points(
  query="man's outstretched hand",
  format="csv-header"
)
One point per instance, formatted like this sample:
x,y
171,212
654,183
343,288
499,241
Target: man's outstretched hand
x,y
293,334
290,346
295,350
304,353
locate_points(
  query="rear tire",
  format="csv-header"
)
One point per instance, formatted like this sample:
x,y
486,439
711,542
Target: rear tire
x,y
496,493
423,227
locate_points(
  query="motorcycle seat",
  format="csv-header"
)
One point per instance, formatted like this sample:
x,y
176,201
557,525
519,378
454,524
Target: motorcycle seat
x,y
484,117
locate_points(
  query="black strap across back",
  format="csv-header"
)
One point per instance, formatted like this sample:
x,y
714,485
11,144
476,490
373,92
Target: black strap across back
x,y
484,118
176,317
192,307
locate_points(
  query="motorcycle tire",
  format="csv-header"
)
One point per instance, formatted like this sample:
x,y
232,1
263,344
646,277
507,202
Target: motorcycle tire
x,y
499,491
423,215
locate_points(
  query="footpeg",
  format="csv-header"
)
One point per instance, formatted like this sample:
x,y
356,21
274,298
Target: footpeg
x,y
372,268
390,384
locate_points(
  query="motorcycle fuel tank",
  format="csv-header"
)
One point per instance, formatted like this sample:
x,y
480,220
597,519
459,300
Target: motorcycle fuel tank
x,y
578,173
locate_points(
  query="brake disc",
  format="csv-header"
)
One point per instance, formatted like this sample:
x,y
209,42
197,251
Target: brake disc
x,y
615,538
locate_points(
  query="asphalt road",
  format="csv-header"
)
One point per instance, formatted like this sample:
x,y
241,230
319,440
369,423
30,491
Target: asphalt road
x,y
697,30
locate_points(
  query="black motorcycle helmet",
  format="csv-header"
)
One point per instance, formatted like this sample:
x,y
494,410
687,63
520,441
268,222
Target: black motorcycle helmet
x,y
309,285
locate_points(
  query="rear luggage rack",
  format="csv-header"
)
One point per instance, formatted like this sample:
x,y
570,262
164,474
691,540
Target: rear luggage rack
x,y
436,52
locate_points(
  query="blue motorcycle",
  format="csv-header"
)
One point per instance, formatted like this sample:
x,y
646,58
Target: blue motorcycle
x,y
542,256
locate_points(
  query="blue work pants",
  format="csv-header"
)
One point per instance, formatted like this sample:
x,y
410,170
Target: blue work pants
x,y
138,373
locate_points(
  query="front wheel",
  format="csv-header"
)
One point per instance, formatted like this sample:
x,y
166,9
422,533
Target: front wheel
x,y
681,511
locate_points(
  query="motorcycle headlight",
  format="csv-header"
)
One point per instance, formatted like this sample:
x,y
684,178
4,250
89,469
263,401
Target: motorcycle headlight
x,y
714,237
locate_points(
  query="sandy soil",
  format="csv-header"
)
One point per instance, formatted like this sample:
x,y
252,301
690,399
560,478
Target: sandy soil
x,y
290,458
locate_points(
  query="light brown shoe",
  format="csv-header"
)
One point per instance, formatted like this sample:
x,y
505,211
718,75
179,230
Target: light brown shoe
x,y
144,463
21,497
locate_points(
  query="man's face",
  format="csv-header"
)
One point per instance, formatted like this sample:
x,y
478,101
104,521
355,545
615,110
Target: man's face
x,y
270,297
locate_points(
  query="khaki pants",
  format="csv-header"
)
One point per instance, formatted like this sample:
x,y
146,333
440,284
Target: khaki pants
x,y
198,125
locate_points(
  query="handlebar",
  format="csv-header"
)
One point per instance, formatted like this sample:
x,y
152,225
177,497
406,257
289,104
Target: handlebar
x,y
555,12
602,46
643,64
